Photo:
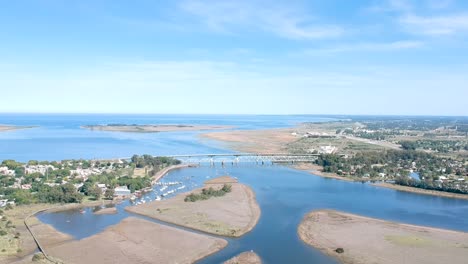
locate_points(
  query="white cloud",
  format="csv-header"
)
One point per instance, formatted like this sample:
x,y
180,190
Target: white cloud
x,y
287,21
436,25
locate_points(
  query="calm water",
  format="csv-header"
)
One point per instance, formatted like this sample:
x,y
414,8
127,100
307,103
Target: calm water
x,y
284,194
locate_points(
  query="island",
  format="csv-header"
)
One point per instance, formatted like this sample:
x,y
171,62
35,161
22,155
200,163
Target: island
x,y
359,240
223,207
4,128
245,258
135,240
136,128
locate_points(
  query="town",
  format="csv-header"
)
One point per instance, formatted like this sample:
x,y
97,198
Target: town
x,y
71,181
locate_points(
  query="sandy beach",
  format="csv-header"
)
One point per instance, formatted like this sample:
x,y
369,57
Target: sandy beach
x,y
233,214
245,258
138,241
367,240
154,128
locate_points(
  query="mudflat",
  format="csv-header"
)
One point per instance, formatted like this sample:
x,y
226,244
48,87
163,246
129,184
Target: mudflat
x,y
245,258
233,214
153,128
138,241
367,240
256,141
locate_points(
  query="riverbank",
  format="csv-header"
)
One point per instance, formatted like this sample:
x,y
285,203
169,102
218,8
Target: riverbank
x,y
233,214
421,191
245,258
317,170
165,171
134,240
153,128
367,240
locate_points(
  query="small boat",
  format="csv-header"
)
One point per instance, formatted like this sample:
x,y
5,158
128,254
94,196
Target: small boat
x,y
82,211
158,198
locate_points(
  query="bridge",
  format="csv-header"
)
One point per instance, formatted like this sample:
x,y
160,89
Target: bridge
x,y
234,158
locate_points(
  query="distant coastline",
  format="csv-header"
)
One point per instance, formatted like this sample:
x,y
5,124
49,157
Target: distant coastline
x,y
136,128
4,128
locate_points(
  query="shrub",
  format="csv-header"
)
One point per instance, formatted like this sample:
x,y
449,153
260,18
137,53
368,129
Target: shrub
x,y
38,257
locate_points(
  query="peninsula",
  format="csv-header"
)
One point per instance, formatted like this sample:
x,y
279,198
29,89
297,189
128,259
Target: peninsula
x,y
232,214
359,240
137,128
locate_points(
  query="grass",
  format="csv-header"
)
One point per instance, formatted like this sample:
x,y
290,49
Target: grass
x,y
344,145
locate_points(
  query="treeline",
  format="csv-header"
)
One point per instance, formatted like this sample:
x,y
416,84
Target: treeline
x,y
442,146
150,161
41,193
431,185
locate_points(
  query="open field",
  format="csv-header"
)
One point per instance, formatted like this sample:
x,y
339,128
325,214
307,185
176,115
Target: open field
x,y
245,258
233,214
138,241
366,240
154,128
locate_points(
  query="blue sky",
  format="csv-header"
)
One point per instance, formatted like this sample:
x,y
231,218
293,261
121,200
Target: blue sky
x,y
235,57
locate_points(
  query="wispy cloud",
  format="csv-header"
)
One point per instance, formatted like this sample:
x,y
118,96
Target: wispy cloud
x,y
436,25
287,21
367,47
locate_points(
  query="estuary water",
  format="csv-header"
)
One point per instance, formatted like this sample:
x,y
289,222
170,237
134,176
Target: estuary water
x,y
285,195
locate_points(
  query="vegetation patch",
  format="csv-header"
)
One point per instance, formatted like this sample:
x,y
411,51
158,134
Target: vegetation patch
x,y
207,193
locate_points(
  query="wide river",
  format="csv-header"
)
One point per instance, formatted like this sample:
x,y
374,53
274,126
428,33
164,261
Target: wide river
x,y
284,194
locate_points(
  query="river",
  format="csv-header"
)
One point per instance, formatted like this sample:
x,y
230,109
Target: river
x,y
285,195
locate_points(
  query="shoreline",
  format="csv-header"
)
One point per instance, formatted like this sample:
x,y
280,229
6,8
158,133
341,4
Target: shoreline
x,y
421,191
370,240
160,174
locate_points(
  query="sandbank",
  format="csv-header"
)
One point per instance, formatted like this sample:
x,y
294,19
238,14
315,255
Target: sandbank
x,y
245,258
233,214
138,241
367,240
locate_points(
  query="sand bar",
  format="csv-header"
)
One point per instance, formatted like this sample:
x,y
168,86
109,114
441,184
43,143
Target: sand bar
x,y
233,214
366,240
106,211
245,258
138,241
154,128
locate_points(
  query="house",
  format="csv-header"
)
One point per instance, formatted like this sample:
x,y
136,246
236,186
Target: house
x,y
102,186
122,191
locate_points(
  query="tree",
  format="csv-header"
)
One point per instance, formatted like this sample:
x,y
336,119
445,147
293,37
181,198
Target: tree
x,y
95,191
109,194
